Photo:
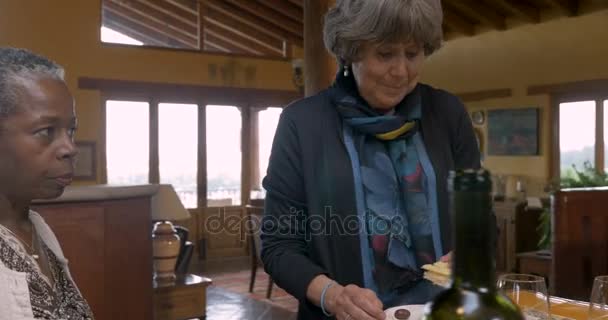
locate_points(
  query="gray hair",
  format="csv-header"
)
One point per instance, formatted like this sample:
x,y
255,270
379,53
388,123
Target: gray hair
x,y
353,23
18,66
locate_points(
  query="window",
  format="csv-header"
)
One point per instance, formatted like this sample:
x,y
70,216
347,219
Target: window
x,y
174,135
576,135
267,125
223,155
128,132
178,149
583,134
127,129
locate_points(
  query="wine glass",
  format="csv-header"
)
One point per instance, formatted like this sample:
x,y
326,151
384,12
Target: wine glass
x,y
529,292
598,303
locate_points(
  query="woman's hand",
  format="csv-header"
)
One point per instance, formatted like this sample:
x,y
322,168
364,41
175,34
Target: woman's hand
x,y
354,303
447,258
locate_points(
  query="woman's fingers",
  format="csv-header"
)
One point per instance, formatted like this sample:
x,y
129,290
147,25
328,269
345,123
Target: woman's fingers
x,y
361,304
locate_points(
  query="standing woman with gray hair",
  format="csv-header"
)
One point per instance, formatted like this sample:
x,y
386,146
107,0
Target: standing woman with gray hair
x,y
356,186
37,151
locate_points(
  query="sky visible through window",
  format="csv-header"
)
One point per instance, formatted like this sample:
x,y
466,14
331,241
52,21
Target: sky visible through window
x,y
224,153
178,149
110,36
127,140
576,134
268,121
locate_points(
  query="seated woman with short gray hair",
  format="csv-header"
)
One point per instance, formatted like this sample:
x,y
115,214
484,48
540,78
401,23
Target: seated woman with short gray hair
x,y
37,152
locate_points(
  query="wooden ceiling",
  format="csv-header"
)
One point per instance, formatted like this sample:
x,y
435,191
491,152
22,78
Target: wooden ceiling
x,y
270,27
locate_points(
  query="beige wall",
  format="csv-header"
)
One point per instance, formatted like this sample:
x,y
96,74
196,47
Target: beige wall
x,y
557,51
68,32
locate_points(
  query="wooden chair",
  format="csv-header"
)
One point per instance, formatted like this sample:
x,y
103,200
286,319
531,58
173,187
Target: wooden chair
x,y
254,221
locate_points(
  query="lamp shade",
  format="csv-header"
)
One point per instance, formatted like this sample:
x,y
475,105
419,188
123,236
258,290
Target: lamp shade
x,y
166,205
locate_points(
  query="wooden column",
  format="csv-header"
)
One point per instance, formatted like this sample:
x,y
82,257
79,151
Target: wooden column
x,y
254,148
245,154
319,66
154,173
599,135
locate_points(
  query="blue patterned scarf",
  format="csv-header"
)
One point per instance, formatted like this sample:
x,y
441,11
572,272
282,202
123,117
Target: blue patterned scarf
x,y
397,212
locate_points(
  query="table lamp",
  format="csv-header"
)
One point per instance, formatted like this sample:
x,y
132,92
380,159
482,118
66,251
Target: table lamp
x,y
166,207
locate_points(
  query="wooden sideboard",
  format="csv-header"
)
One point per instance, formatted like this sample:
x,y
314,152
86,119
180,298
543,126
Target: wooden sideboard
x,y
105,233
580,240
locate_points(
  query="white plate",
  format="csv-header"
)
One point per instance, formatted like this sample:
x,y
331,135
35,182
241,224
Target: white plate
x,y
416,310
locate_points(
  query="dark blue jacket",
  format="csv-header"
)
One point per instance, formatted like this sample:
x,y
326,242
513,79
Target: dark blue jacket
x,y
310,190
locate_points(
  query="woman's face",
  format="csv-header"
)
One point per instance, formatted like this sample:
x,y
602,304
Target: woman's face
x,y
37,148
386,73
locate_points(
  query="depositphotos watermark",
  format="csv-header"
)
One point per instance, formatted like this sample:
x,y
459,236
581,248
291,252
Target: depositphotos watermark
x,y
296,223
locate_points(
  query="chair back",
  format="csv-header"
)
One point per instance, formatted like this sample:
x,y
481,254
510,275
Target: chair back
x,y
186,249
254,216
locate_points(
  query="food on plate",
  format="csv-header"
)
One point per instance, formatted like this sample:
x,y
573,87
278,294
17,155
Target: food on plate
x,y
438,273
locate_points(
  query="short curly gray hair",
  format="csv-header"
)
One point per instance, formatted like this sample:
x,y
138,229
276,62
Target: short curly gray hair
x,y
16,67
353,23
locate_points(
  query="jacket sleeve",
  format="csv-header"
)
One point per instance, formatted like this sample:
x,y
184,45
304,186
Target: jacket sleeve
x,y
465,149
285,251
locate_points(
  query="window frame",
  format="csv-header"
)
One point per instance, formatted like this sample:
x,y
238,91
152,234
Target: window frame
x,y
248,101
557,99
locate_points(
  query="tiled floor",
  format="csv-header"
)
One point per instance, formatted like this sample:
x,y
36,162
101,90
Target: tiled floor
x,y
230,300
225,305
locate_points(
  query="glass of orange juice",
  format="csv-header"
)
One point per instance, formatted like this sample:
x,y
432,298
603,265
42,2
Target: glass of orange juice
x,y
529,292
598,302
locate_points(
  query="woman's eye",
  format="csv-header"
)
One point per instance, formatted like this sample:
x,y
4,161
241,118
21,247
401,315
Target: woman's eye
x,y
385,55
72,132
411,55
45,133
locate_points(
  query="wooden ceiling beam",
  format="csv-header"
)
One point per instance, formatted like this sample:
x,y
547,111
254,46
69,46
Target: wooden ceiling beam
x,y
189,5
159,16
227,22
169,8
111,11
299,3
285,8
112,19
226,43
477,10
212,47
252,21
568,7
521,10
457,23
243,42
269,15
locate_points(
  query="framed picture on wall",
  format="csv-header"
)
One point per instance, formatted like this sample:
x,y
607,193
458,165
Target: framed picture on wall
x,y
86,164
513,132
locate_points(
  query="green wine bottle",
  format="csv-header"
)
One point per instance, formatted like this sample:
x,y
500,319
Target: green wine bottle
x,y
473,294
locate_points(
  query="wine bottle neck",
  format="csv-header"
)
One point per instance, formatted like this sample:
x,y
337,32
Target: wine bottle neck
x,y
474,254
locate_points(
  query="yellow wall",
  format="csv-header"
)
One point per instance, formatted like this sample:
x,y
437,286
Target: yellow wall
x,y
557,51
68,32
